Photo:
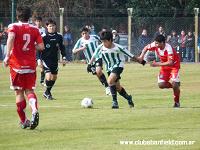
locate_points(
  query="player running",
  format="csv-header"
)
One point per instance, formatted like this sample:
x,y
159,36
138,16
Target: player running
x,y
21,58
169,63
38,23
113,56
88,43
53,42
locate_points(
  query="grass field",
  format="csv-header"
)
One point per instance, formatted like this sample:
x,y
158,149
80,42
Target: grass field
x,y
64,125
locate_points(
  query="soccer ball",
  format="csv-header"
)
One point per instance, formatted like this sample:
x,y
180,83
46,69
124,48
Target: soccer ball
x,y
87,103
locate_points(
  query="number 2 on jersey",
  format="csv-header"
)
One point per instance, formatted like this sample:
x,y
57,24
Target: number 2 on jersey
x,y
26,38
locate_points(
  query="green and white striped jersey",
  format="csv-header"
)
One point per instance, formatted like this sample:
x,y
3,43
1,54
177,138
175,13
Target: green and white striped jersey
x,y
91,44
113,57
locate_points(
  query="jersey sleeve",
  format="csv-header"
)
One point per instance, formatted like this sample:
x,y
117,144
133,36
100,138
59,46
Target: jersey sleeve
x,y
77,45
150,47
97,53
125,51
39,37
170,52
62,47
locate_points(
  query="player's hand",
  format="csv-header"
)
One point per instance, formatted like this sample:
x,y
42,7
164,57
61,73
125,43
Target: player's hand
x,y
154,64
6,61
89,68
64,61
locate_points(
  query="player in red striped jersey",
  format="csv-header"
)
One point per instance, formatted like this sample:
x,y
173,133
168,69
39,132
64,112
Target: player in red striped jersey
x,y
23,39
169,63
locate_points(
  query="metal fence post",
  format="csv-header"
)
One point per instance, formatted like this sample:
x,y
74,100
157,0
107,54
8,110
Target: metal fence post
x,y
196,12
130,11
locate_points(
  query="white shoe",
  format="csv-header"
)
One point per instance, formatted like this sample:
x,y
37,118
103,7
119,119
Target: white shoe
x,y
108,91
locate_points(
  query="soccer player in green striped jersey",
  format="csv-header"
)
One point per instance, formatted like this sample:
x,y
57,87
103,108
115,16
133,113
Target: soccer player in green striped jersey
x,y
113,56
88,43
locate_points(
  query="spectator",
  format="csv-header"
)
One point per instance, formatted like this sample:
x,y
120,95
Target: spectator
x,y
144,39
173,40
182,48
116,36
160,32
4,36
68,42
189,43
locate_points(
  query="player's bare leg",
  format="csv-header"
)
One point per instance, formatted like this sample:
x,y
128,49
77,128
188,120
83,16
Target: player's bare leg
x,y
164,85
176,90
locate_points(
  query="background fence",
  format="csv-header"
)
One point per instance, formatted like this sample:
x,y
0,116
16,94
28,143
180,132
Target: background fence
x,y
151,24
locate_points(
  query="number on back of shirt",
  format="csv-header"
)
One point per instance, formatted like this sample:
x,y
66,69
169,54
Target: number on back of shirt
x,y
26,38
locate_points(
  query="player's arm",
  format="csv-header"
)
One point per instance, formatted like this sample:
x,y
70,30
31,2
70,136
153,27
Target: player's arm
x,y
10,42
170,62
62,50
78,47
97,54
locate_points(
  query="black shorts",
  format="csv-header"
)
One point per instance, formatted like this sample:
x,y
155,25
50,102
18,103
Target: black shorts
x,y
117,71
98,63
52,68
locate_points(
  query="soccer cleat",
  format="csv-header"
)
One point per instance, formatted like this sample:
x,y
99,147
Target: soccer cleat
x,y
115,105
25,125
48,96
34,121
176,105
43,84
130,102
108,91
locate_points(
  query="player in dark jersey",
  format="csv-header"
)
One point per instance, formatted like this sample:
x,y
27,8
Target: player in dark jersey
x,y
53,42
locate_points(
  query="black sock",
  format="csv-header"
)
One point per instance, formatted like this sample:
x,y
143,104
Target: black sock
x,y
49,85
42,77
124,94
103,80
113,92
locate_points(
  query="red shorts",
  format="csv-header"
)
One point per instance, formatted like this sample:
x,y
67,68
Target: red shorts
x,y
22,81
166,74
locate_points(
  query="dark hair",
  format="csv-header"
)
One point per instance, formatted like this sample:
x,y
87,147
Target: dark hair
x,y
23,13
106,35
38,18
50,21
160,39
85,29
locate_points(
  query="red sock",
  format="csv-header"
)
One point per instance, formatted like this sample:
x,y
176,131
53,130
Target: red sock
x,y
176,96
20,110
33,102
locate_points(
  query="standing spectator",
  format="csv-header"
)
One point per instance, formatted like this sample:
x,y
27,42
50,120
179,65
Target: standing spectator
x,y
38,23
4,36
143,39
173,40
116,36
68,42
182,48
23,38
53,42
160,32
189,43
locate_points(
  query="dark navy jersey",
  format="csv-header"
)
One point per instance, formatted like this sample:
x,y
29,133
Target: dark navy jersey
x,y
53,42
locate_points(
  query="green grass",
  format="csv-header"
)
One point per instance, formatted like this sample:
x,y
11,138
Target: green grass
x,y
64,125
